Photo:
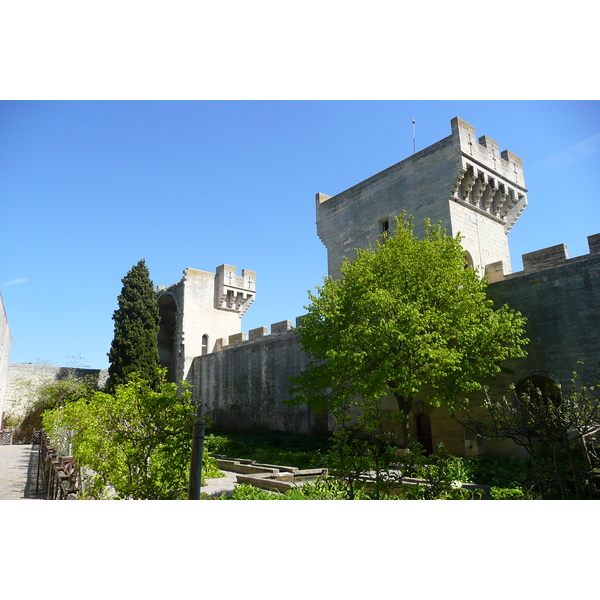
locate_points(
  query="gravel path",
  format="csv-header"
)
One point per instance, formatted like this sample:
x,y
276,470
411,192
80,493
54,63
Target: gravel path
x,y
218,485
18,472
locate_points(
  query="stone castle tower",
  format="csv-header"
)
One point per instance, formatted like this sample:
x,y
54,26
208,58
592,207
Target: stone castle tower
x,y
198,312
466,184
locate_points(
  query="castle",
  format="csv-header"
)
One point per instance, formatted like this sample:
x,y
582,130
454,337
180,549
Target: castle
x,y
462,181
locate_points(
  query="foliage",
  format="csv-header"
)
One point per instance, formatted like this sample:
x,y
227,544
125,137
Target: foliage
x,y
302,451
323,488
441,471
440,475
405,316
210,470
135,444
134,348
559,433
364,449
499,472
516,493
246,491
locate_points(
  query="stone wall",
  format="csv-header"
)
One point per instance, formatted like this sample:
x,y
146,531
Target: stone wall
x,y
561,299
245,370
25,378
5,345
197,311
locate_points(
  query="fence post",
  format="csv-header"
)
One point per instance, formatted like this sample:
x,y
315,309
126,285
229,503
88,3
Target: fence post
x,y
196,460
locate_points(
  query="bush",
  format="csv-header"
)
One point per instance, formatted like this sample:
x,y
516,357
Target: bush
x,y
135,444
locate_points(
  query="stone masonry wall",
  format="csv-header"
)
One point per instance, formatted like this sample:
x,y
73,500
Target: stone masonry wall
x,y
197,311
561,299
264,361
25,378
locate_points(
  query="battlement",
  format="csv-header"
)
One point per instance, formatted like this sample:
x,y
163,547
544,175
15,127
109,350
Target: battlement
x,y
256,335
490,182
539,260
486,151
234,292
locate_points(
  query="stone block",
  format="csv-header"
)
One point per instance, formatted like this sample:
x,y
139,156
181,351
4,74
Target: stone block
x,y
594,243
545,259
495,271
237,338
281,327
299,321
257,333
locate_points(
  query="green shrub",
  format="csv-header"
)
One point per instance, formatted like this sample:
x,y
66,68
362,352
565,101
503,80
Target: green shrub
x,y
304,452
512,494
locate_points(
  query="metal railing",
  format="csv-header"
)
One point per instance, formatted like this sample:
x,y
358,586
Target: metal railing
x,y
57,475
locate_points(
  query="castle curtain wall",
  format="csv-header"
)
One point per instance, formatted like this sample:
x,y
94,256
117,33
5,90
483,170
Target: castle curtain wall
x,y
265,362
561,299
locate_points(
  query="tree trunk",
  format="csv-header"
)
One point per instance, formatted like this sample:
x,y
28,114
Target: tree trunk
x,y
405,406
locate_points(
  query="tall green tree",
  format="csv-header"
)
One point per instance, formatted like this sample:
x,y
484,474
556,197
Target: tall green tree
x,y
405,317
134,348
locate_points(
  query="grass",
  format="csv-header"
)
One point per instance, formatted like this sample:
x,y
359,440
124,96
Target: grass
x,y
279,448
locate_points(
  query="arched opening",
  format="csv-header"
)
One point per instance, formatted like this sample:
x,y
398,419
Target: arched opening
x,y
424,436
541,387
204,344
167,310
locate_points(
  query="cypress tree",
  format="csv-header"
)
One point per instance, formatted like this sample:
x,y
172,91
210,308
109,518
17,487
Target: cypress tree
x,y
135,347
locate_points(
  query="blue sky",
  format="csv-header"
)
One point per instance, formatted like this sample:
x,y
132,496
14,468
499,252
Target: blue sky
x,y
89,188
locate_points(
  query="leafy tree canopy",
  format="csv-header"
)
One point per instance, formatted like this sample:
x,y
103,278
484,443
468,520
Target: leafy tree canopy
x,y
405,316
134,348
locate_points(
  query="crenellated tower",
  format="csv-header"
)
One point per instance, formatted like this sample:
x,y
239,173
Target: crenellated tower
x,y
199,310
465,183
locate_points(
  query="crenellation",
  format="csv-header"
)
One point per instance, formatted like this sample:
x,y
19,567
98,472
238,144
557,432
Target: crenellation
x,y
545,258
461,181
234,292
490,144
259,332
236,339
495,271
200,313
281,327
539,260
594,244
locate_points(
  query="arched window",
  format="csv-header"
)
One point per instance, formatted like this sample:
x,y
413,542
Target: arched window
x,y
204,344
468,260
